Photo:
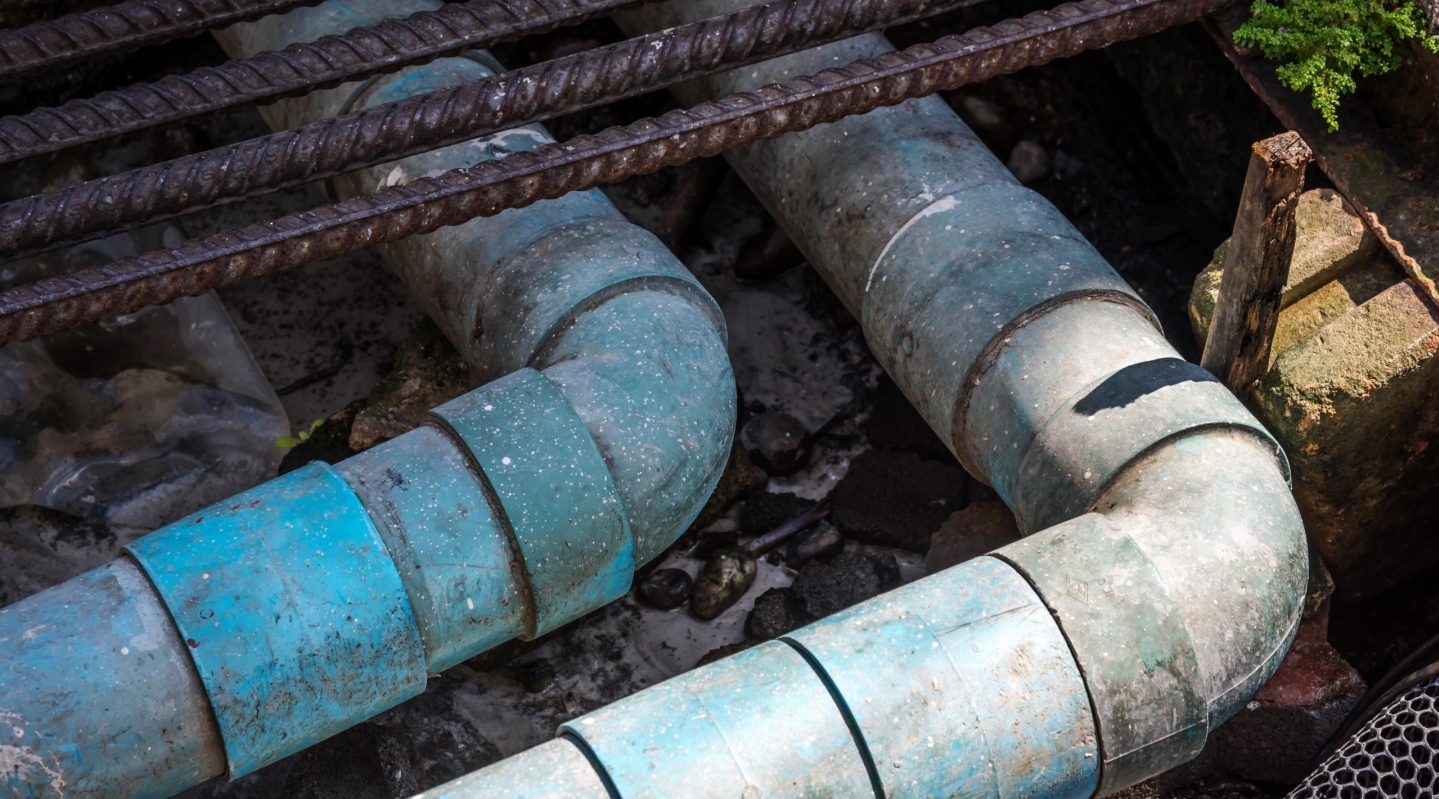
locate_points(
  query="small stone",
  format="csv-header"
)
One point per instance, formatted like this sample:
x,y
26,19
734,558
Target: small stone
x,y
981,114
770,617
1066,166
825,588
886,567
726,577
666,589
822,541
775,442
766,510
982,527
1029,162
895,499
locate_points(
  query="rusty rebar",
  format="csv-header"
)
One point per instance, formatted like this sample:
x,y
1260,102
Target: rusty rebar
x,y
299,68
582,163
122,27
424,122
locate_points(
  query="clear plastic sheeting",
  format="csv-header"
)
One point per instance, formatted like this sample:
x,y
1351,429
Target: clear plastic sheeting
x,y
135,421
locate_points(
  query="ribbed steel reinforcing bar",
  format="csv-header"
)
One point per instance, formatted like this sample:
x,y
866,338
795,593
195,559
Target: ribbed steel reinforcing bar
x,y
428,204
384,133
125,26
299,68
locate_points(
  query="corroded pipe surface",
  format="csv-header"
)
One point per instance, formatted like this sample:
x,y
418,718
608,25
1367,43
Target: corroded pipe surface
x,y
124,26
275,74
552,171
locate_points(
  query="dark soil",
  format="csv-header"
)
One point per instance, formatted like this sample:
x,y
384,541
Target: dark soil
x,y
896,499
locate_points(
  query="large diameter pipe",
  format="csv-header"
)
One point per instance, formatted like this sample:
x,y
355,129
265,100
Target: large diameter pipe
x,y
1164,572
258,626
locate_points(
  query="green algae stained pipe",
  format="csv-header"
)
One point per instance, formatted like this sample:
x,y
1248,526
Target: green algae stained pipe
x,y
1163,576
267,622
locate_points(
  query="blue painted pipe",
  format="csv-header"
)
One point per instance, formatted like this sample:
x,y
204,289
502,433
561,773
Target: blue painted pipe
x,y
1164,572
285,614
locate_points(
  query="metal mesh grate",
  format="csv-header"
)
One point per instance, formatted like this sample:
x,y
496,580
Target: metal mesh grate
x,y
1395,755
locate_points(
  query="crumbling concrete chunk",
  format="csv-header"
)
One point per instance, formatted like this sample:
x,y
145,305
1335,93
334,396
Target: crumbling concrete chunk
x,y
1351,394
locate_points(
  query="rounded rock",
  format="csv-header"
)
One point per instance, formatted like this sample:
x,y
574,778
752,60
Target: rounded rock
x,y
1029,162
776,443
770,617
726,577
666,589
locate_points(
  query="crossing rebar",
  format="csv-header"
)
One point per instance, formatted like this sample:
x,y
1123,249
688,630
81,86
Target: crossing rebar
x,y
297,69
425,122
581,163
122,27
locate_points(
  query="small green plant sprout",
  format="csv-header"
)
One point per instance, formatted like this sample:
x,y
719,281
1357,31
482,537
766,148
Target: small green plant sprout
x,y
1326,42
290,443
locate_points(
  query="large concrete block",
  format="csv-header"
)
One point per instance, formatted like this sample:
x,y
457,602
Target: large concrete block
x,y
1353,396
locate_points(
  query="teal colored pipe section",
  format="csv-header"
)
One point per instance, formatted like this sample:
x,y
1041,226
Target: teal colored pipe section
x,y
296,620
448,542
542,466
695,735
97,691
253,628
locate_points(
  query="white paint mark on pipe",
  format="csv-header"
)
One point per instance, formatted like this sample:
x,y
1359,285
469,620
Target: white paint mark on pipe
x,y
937,207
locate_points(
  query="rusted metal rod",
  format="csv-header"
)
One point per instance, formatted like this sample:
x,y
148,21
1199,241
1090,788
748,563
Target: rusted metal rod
x,y
1257,265
126,26
297,69
447,116
582,163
